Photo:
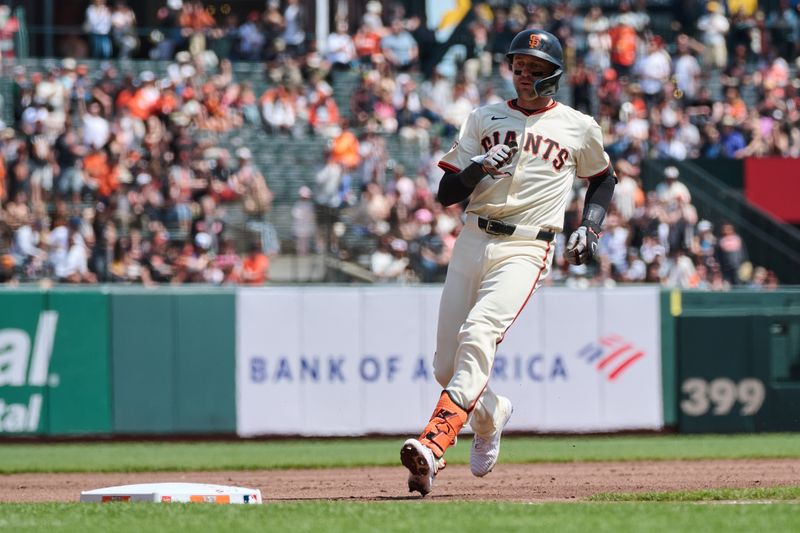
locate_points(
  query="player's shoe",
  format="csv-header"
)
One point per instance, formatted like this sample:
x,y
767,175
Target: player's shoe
x,y
422,466
485,450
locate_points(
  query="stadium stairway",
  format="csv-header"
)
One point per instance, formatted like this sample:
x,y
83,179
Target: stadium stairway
x,y
770,243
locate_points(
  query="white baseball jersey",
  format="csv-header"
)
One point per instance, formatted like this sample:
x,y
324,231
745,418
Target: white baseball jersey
x,y
555,144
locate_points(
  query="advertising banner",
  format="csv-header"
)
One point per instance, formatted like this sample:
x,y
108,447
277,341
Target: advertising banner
x,y
349,361
54,373
26,347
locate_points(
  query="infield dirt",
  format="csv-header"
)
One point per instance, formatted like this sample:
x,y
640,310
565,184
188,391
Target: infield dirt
x,y
508,482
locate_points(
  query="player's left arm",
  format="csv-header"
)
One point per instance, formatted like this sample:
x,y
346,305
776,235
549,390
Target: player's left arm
x,y
582,244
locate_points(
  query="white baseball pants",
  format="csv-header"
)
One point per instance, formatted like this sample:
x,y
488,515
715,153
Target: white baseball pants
x,y
489,280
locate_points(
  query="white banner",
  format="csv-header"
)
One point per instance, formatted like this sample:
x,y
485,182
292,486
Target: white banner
x,y
352,360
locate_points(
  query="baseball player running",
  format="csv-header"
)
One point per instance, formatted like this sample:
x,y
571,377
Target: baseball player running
x,y
516,162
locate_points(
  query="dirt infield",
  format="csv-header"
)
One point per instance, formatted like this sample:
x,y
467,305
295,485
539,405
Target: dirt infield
x,y
516,483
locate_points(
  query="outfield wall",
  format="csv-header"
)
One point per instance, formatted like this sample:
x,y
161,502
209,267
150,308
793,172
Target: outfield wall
x,y
349,361
329,360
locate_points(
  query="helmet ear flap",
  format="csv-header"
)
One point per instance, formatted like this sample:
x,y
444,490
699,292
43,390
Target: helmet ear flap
x,y
548,86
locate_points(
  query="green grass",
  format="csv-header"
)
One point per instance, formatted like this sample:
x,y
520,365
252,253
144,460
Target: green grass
x,y
352,517
305,453
724,510
758,494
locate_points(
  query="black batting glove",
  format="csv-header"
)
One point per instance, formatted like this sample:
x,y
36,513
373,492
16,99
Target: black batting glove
x,y
582,244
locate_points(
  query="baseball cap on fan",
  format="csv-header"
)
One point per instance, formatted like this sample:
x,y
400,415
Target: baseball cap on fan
x,y
203,240
704,225
671,172
398,245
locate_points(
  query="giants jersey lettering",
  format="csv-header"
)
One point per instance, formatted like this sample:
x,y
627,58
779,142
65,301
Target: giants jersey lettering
x,y
555,144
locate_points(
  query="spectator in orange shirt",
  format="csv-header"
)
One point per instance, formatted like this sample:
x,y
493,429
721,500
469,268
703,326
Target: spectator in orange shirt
x,y
146,98
367,43
623,48
323,114
345,147
96,168
126,92
255,266
108,182
194,21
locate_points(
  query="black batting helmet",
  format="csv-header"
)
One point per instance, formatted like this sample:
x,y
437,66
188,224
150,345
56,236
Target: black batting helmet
x,y
544,45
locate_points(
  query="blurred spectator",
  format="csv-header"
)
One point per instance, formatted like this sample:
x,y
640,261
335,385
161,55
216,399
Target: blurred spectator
x,y
193,261
429,253
456,113
345,147
680,269
598,40
686,68
123,29
732,140
427,45
227,266
372,17
340,50
195,23
98,26
399,47
210,222
671,191
714,27
628,194
252,38
294,34
280,109
71,265
374,158
168,37
654,70
304,221
367,43
730,254
582,80
759,279
323,113
256,195
704,243
96,129
255,266
784,27
390,262
9,27
623,45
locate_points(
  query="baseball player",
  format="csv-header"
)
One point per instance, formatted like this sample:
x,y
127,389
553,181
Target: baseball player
x,y
516,162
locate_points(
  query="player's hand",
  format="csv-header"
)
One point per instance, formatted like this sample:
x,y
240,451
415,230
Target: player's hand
x,y
581,246
495,159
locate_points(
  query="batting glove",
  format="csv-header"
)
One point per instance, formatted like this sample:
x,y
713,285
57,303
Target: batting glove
x,y
582,245
496,158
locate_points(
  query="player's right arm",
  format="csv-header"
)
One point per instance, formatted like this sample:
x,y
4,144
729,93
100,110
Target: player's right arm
x,y
461,174
466,164
457,186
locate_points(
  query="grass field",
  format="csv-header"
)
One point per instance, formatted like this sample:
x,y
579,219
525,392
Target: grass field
x,y
397,517
751,510
317,453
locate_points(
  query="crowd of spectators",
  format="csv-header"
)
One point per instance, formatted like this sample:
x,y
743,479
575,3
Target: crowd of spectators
x,y
112,177
118,177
